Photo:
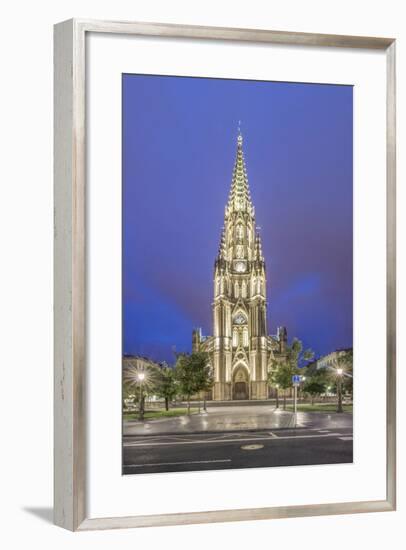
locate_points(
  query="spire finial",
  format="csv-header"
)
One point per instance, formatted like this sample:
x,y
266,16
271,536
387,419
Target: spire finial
x,y
239,138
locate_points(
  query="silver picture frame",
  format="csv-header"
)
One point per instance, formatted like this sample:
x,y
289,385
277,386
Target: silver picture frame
x,y
70,271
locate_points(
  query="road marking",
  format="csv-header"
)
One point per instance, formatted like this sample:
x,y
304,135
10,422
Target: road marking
x,y
323,431
176,463
347,438
236,440
273,435
251,447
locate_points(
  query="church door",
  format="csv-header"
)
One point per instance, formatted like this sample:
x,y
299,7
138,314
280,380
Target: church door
x,y
241,390
241,384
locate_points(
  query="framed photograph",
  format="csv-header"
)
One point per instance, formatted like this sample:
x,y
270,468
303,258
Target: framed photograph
x,y
224,274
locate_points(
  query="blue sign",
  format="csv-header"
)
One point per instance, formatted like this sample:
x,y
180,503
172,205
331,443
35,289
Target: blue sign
x,y
296,378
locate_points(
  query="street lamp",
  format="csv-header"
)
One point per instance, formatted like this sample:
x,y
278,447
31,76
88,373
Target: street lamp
x,y
277,395
339,372
141,378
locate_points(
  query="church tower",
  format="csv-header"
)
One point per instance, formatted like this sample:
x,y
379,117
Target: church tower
x,y
240,348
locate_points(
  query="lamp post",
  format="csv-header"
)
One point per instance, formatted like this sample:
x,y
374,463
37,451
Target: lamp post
x,y
339,390
141,377
277,395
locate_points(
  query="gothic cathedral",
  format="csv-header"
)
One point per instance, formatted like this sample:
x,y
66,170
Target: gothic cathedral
x,y
240,349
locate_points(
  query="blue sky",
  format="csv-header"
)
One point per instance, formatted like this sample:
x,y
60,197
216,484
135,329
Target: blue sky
x,y
179,144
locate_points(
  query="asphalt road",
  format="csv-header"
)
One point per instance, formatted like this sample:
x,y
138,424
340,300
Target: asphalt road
x,y
307,445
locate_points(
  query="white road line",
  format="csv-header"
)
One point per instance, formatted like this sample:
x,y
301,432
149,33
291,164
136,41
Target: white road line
x,y
348,438
237,440
324,431
177,463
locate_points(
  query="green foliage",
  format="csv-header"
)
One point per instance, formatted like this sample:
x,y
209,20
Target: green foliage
x,y
345,362
319,407
205,374
128,390
326,377
283,369
281,375
193,373
166,386
160,413
315,386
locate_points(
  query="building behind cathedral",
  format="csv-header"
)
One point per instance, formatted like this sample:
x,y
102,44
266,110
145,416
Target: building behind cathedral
x,y
240,349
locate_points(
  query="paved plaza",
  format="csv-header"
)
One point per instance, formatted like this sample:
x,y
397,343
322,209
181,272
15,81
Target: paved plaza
x,y
237,437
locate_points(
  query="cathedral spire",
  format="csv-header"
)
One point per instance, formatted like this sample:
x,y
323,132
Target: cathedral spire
x,y
239,198
240,349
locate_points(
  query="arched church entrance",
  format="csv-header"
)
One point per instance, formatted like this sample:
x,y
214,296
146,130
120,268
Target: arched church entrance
x,y
240,383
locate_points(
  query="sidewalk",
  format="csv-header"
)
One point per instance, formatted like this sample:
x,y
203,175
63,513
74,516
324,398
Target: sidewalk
x,y
217,419
228,419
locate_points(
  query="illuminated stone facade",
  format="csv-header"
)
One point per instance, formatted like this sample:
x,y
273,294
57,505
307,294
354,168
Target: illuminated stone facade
x,y
240,349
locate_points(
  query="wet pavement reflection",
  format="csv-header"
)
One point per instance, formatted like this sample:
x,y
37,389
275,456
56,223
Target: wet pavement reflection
x,y
236,418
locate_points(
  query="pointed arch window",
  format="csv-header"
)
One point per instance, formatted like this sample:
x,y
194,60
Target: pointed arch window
x,y
239,251
239,231
243,289
236,290
245,337
235,338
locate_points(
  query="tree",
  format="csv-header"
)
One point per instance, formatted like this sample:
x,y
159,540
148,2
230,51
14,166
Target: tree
x,y
281,377
167,386
191,373
206,380
342,365
314,386
283,369
336,375
344,361
128,393
317,380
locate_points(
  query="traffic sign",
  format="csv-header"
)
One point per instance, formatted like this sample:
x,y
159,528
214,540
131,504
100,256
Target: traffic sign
x,y
296,379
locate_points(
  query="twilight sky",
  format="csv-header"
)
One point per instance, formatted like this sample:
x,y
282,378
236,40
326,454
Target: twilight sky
x,y
179,145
